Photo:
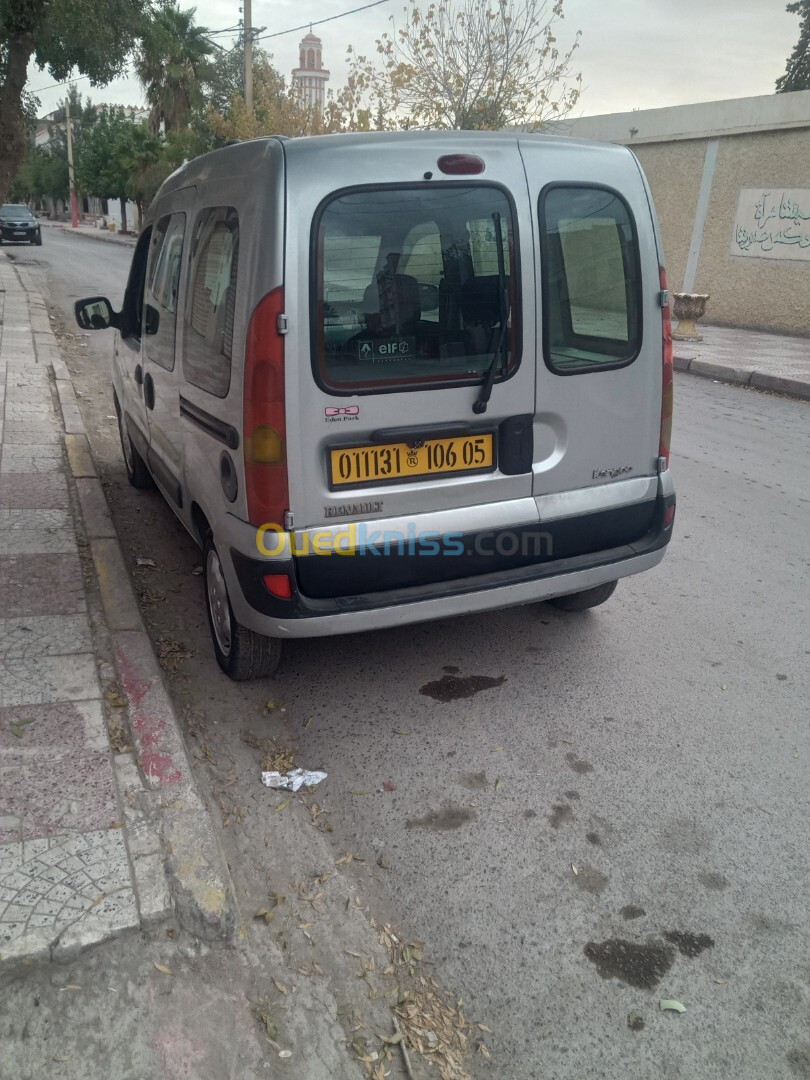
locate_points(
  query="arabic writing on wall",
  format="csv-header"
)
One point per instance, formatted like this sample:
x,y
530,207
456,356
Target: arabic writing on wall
x,y
773,224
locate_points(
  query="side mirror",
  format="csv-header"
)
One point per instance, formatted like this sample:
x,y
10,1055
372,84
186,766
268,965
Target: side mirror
x,y
428,296
95,313
151,320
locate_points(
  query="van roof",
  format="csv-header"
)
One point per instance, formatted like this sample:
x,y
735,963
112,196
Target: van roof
x,y
241,155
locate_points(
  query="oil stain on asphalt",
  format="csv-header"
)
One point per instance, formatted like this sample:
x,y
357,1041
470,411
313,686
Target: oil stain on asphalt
x,y
559,814
451,817
689,944
452,687
592,881
474,781
639,965
632,911
712,880
644,965
578,765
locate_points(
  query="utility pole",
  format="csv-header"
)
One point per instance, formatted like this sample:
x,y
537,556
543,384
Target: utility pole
x,y
74,202
248,30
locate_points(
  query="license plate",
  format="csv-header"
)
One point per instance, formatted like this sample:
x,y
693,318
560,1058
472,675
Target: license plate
x,y
397,461
20,233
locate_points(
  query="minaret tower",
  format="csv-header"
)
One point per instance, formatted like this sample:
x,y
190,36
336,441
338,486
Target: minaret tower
x,y
310,77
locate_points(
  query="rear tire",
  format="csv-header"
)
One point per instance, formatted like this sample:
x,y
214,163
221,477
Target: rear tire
x,y
137,472
241,653
588,598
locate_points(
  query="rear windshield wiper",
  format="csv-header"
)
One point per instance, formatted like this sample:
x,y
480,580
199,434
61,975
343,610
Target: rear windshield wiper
x,y
480,404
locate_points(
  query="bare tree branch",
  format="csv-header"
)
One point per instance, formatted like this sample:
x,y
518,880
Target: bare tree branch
x,y
470,64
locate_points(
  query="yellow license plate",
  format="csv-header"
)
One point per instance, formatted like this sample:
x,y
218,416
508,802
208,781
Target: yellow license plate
x,y
397,461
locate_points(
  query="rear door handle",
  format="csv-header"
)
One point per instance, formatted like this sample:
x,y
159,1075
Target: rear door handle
x,y
149,391
410,435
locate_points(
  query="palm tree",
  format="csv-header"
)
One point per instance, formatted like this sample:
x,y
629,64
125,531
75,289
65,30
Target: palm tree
x,y
142,158
171,64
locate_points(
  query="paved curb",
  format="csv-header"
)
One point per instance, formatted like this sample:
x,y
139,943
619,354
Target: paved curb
x,y
111,238
202,891
760,380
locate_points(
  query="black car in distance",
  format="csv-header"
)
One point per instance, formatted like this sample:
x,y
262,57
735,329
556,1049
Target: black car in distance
x,y
18,225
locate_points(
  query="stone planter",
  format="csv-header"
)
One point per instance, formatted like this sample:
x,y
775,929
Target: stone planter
x,y
688,308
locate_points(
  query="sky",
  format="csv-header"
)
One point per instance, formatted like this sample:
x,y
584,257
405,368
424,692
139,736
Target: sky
x,y
633,54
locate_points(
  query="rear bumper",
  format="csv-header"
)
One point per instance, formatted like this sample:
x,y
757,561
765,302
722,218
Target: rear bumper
x,y
308,616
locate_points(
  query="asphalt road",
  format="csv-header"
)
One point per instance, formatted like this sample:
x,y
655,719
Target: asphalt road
x,y
623,815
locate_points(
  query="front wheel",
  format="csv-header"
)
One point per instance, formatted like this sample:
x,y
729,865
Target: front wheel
x,y
38,241
241,653
588,598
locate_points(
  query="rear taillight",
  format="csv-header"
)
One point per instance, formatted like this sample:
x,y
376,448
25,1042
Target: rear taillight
x,y
666,374
265,425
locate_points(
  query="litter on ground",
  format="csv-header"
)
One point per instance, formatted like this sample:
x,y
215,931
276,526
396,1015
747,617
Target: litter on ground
x,y
292,780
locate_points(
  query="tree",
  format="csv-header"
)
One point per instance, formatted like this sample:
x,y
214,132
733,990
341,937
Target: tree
x,y
797,69
44,171
102,164
42,175
171,64
142,155
470,63
277,109
93,36
224,76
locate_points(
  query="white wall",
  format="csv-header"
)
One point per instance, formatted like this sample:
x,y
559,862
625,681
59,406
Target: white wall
x,y
114,214
708,119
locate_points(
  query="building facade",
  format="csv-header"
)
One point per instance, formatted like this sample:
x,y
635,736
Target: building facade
x,y
310,77
731,185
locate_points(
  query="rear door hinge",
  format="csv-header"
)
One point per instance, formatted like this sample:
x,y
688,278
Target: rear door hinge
x,y
281,323
289,520
663,298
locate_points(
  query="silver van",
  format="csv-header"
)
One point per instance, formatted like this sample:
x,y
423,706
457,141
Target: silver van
x,y
384,378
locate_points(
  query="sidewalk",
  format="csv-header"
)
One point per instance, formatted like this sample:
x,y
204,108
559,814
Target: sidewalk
x,y
749,357
90,232
88,835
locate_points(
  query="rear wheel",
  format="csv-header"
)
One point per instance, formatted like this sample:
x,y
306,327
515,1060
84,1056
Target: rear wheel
x,y
588,598
137,472
241,653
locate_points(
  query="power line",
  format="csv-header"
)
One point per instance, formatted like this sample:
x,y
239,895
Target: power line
x,y
318,22
234,29
79,78
53,86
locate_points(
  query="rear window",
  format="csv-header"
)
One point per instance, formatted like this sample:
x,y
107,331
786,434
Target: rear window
x,y
590,279
414,287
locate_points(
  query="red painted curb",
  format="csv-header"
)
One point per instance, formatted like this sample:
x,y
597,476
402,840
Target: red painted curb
x,y
158,742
